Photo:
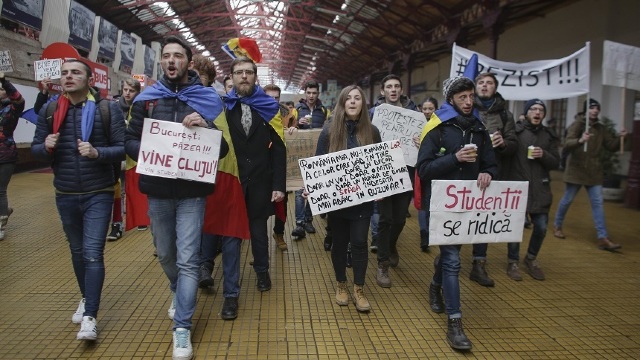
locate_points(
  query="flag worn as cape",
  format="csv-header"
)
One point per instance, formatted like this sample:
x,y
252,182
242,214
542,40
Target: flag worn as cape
x,y
88,115
204,100
137,203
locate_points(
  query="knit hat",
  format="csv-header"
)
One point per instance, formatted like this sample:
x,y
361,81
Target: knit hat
x,y
452,84
532,102
592,102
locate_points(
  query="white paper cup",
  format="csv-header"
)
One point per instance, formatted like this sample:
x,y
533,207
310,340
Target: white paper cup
x,y
475,150
530,152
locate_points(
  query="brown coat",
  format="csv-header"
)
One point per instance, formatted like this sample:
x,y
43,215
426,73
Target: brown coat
x,y
584,168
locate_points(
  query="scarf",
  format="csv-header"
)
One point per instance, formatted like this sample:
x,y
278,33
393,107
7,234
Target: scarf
x,y
204,100
263,104
88,114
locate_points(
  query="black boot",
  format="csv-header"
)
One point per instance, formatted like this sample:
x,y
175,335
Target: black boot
x,y
455,335
264,281
229,308
435,298
328,242
479,273
424,241
205,279
349,257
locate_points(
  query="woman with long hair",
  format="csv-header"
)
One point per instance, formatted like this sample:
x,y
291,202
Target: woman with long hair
x,y
349,127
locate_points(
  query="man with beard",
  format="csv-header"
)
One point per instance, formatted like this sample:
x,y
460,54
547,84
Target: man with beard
x,y
442,156
392,209
176,206
499,122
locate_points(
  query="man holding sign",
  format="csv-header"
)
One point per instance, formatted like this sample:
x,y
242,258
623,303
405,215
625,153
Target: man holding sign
x,y
176,206
455,146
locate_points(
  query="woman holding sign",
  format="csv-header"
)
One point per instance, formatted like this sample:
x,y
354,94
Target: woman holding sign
x,y
349,127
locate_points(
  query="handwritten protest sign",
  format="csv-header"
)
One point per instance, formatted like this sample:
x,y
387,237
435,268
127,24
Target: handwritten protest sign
x,y
351,177
301,144
396,123
621,65
171,150
6,65
462,214
48,68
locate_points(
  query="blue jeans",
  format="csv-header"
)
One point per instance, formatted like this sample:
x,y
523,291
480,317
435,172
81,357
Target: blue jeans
x,y
177,231
539,222
85,220
446,274
375,220
597,207
303,210
231,266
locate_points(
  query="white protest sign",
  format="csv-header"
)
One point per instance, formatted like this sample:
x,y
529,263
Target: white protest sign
x,y
621,65
6,65
354,176
171,150
397,123
543,79
462,214
47,68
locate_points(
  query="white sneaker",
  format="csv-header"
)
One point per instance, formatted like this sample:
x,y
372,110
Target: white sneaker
x,y
172,308
88,329
182,349
77,316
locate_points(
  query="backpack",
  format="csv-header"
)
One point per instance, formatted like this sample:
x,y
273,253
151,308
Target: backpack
x,y
105,115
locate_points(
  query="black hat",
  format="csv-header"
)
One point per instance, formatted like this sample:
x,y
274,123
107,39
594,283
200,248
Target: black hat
x,y
592,102
532,102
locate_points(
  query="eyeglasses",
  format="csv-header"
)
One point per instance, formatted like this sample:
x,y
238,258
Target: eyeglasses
x,y
532,109
246,72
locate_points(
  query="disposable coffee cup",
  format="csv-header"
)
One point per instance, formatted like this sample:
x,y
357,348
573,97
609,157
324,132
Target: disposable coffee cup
x,y
530,152
475,150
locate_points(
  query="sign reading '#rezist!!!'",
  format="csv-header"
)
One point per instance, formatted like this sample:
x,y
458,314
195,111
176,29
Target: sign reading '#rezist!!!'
x,y
462,214
351,177
171,150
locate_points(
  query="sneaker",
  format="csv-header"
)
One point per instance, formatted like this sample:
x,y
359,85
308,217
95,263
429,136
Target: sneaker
x,y
142,228
116,232
308,227
77,316
534,269
182,349
88,329
298,233
172,308
513,271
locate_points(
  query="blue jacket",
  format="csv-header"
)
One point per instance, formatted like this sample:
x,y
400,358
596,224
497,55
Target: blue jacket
x,y
318,116
74,173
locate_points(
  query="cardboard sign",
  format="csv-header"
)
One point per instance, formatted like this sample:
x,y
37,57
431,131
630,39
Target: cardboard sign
x,y
171,150
47,68
351,177
396,123
301,144
6,65
462,214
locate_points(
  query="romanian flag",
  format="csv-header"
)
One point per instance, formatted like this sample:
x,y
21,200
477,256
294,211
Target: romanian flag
x,y
248,47
137,204
226,211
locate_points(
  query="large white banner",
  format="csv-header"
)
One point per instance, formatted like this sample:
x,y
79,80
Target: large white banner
x,y
462,214
354,176
397,123
171,150
621,65
543,79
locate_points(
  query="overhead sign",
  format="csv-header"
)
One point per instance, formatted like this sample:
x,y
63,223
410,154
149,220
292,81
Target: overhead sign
x,y
462,214
171,150
350,177
543,79
397,123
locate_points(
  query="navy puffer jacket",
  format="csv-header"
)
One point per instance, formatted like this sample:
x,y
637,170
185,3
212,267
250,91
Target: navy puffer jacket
x,y
74,173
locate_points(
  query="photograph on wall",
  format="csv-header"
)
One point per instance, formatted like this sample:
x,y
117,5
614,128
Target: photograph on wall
x,y
127,52
81,22
107,38
149,60
25,12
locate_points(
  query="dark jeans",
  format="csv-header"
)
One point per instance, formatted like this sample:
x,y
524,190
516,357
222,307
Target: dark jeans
x,y
6,171
259,244
446,274
480,251
231,266
393,216
539,222
209,250
345,231
278,225
85,220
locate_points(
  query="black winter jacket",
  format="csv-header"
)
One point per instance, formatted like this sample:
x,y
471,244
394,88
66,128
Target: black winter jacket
x,y
74,173
167,109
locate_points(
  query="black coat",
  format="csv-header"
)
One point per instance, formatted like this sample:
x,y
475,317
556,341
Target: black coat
x,y
262,161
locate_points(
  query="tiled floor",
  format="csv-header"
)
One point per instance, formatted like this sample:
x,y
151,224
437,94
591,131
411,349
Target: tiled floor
x,y
588,308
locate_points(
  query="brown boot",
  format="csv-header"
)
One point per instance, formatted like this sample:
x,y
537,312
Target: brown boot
x,y
279,238
342,295
557,232
606,244
382,276
362,304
